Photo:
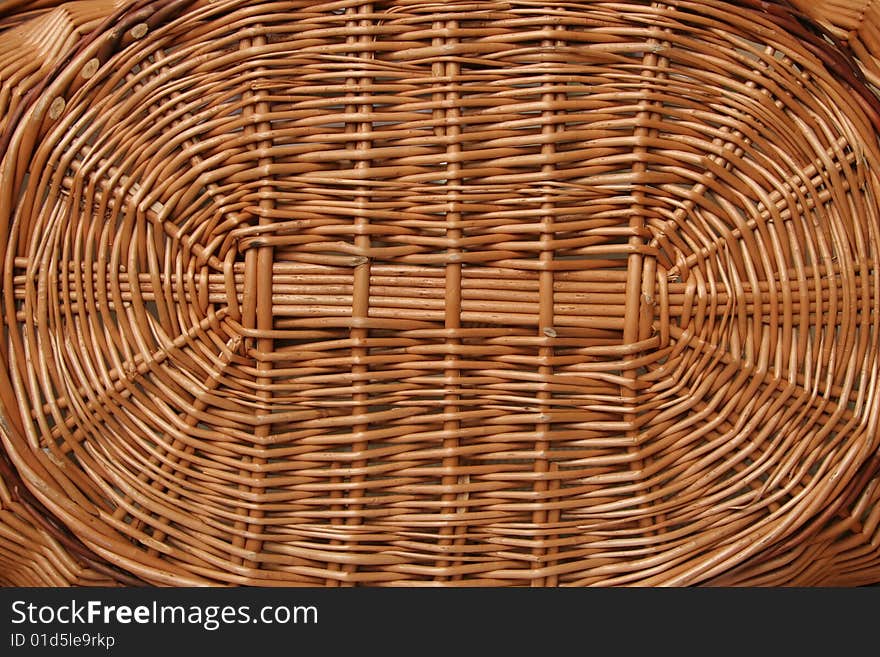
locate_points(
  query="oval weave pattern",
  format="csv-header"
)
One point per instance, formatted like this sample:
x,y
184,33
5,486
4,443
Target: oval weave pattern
x,y
34,550
468,293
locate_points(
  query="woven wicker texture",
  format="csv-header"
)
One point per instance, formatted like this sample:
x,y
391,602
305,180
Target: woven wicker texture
x,y
16,12
34,550
856,23
469,293
34,44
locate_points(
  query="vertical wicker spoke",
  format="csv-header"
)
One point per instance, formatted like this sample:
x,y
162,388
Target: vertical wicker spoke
x,y
642,265
257,301
546,300
361,293
449,73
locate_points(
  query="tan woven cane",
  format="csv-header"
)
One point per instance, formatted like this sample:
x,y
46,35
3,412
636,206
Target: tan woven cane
x,y
34,550
466,293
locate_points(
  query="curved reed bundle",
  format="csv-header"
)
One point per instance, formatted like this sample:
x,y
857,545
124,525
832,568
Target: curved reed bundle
x,y
856,23
79,13
471,293
34,551
35,41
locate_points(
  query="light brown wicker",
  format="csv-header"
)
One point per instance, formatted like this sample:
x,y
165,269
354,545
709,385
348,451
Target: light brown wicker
x,y
462,293
35,40
34,551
